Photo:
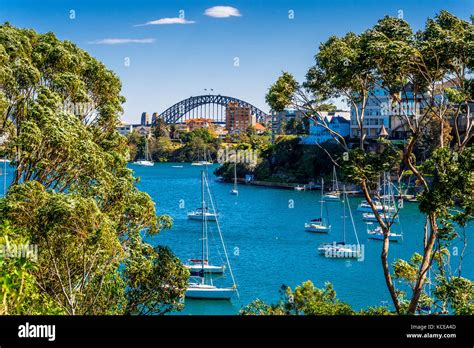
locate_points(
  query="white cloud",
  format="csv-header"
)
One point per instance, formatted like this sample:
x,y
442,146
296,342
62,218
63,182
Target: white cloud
x,y
222,12
121,41
164,21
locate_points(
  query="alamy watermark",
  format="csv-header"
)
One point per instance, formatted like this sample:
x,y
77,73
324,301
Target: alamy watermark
x,y
80,108
241,156
28,251
344,251
407,108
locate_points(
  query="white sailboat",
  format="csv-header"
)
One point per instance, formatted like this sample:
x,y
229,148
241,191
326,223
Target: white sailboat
x,y
365,207
388,213
321,224
198,215
341,249
334,195
234,190
377,234
196,265
147,160
200,289
204,162
385,216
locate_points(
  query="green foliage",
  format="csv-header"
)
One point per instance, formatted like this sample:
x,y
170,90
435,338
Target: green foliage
x,y
156,280
452,182
280,94
19,291
367,166
306,299
72,194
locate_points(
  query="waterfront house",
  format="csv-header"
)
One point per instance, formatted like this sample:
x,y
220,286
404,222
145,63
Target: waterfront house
x,y
318,134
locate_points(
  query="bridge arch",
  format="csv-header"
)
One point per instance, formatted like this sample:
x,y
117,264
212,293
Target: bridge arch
x,y
206,106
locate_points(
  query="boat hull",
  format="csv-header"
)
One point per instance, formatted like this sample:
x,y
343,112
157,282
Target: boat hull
x,y
208,292
207,268
144,163
316,228
331,198
209,217
391,237
371,217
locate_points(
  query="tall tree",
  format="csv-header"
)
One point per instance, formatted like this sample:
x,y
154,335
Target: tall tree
x,y
72,194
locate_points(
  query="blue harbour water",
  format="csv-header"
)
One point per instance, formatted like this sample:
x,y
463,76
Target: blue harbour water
x,y
264,232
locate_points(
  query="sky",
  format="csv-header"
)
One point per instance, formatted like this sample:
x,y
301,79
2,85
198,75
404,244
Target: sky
x,y
167,51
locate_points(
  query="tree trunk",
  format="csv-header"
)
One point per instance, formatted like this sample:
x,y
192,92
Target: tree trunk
x,y
425,265
385,247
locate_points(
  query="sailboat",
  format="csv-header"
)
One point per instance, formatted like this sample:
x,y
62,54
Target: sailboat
x,y
234,190
204,162
389,206
199,213
341,249
147,160
334,195
321,224
201,289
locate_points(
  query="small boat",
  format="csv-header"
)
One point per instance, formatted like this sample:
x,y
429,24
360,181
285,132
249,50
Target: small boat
x,y
341,249
317,225
321,224
147,162
377,234
198,215
334,194
234,190
300,188
385,216
200,289
177,166
365,207
195,266
144,163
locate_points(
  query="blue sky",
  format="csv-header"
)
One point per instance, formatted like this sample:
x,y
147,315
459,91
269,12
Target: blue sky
x,y
170,62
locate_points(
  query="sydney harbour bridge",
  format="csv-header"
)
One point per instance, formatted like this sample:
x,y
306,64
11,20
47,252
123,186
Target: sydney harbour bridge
x,y
206,106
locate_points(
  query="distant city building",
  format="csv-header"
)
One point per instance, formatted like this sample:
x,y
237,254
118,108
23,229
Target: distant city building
x,y
195,123
238,118
382,115
154,117
337,121
279,119
142,130
259,128
220,131
124,128
145,120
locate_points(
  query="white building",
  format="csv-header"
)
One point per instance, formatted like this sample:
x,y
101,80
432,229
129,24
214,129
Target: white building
x,y
124,128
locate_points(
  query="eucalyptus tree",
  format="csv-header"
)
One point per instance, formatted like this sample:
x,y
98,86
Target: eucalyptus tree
x,y
72,193
433,69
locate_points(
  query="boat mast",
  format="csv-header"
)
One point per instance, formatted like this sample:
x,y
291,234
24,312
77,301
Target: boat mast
x,y
203,206
335,185
322,197
344,214
146,148
235,174
221,238
4,177
350,214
